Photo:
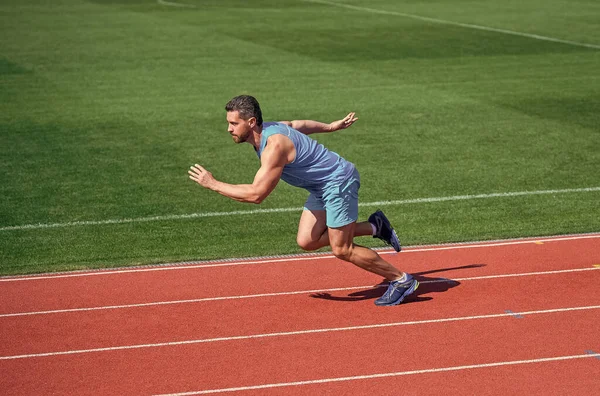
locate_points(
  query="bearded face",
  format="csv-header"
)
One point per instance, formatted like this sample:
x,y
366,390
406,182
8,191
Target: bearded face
x,y
238,128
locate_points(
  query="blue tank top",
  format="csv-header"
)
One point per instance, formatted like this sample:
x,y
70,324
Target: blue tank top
x,y
315,167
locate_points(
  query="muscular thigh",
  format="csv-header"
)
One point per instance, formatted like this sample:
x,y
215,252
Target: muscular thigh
x,y
313,223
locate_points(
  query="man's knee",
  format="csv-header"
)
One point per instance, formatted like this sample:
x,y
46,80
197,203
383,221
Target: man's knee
x,y
306,243
343,252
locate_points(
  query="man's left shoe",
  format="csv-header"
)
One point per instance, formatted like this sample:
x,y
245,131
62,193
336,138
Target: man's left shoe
x,y
384,230
397,291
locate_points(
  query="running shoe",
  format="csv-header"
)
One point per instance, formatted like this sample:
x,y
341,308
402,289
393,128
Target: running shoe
x,y
397,291
384,230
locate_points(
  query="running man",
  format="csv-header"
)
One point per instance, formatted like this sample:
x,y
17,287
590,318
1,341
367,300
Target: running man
x,y
331,211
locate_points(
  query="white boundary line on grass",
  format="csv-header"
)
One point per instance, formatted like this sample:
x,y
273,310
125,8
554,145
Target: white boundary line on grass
x,y
445,22
384,375
297,332
173,4
289,293
298,209
290,258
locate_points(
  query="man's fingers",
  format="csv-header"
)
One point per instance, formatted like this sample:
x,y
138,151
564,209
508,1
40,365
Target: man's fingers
x,y
349,119
197,173
195,177
197,170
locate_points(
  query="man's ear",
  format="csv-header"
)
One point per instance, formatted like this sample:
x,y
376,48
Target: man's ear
x,y
252,122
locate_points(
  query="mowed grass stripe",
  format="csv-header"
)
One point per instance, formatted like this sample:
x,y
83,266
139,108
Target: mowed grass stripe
x,y
294,209
445,22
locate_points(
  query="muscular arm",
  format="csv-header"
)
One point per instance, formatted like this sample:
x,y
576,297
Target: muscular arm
x,y
308,126
273,159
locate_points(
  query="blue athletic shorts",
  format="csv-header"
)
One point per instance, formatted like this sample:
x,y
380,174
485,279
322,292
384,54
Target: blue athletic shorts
x,y
340,202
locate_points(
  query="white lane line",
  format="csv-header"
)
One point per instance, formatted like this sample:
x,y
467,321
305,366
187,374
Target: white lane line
x,y
384,375
298,209
293,258
298,332
289,293
445,22
173,4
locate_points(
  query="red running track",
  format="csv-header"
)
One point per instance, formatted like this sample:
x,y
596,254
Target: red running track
x,y
506,317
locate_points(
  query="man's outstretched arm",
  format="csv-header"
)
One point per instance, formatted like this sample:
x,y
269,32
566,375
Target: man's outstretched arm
x,y
273,160
308,126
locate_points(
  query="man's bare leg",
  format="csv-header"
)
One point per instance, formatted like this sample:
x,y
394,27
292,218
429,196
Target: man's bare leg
x,y
343,247
313,233
401,284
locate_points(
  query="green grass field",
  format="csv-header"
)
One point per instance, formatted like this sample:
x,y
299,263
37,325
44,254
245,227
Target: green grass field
x,y
104,105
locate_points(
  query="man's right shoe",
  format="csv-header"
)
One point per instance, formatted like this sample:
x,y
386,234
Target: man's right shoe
x,y
397,291
384,230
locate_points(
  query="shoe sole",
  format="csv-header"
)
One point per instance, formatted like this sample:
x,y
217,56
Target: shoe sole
x,y
408,292
395,242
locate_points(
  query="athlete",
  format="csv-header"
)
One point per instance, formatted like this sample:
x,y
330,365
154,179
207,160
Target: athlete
x,y
331,211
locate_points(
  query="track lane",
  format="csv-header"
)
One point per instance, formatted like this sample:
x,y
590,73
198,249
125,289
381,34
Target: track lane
x,y
308,273
309,357
570,377
215,319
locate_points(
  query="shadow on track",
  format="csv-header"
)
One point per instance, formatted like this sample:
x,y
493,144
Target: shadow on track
x,y
426,285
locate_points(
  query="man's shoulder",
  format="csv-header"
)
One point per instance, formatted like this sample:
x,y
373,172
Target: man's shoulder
x,y
278,138
275,130
278,149
273,126
267,124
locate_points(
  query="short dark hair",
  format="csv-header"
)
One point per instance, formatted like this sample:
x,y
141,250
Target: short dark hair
x,y
247,106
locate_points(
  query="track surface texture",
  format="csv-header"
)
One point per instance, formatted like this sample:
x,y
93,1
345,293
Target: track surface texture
x,y
491,318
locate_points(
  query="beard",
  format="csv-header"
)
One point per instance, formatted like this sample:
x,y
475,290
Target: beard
x,y
243,137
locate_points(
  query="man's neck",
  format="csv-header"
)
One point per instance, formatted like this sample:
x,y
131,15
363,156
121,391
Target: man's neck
x,y
255,137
